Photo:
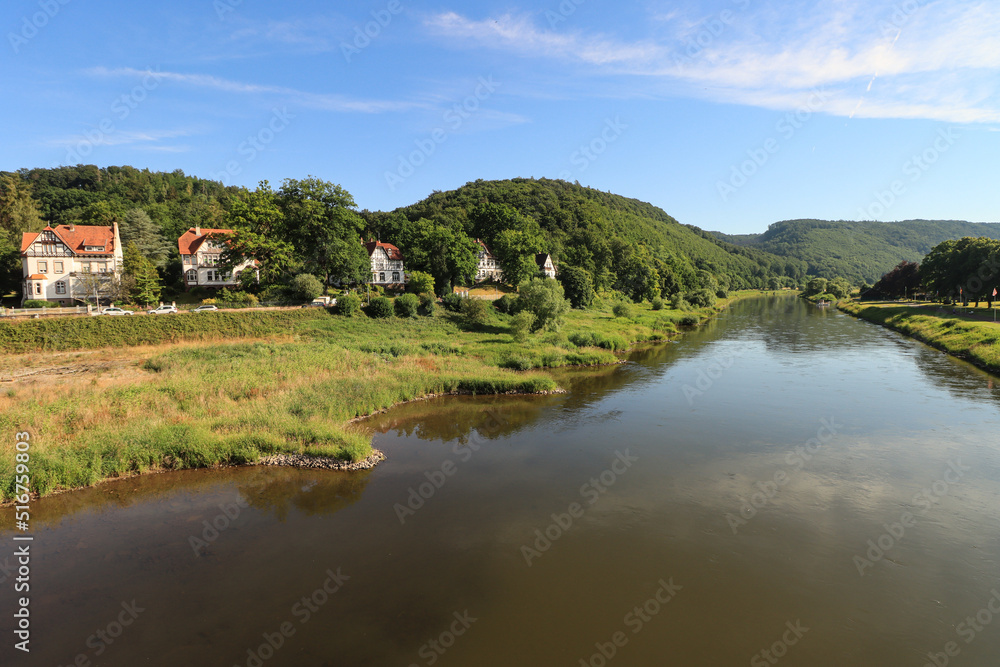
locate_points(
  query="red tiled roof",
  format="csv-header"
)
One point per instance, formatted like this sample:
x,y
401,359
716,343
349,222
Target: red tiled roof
x,y
77,238
390,249
484,247
189,242
37,276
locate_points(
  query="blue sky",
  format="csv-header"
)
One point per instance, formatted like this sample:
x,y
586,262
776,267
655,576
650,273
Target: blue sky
x,y
728,114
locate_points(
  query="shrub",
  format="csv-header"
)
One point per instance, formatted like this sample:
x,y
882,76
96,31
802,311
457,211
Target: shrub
x,y
237,298
306,286
452,302
348,305
722,294
475,312
208,302
428,303
657,303
506,304
406,305
689,320
420,282
38,303
380,308
578,286
678,302
701,298
622,309
544,299
520,325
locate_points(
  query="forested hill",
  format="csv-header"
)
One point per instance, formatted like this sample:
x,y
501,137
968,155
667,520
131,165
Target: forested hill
x,y
858,250
606,232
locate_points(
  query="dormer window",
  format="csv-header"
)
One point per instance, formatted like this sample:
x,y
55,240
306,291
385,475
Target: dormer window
x,y
94,248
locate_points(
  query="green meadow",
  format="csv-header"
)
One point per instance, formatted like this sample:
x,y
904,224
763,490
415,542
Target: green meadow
x,y
226,388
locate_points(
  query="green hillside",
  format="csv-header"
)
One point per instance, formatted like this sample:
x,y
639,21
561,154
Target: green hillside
x,y
579,221
858,250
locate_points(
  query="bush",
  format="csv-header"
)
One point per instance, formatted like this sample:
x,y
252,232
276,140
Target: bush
x,y
544,299
348,305
380,308
578,286
306,286
237,298
406,305
506,304
701,298
678,302
722,294
657,303
428,303
38,303
689,320
420,282
475,312
452,302
622,309
208,302
520,325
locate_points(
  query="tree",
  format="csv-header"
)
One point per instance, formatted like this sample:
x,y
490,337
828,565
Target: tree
x,y
18,210
840,288
577,285
515,250
256,221
446,254
406,305
520,326
306,286
816,286
544,298
420,282
320,219
140,282
138,228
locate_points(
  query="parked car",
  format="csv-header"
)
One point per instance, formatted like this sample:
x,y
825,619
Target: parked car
x,y
321,302
204,309
163,310
115,310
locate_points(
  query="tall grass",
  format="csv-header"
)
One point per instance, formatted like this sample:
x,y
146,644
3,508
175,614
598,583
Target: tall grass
x,y
293,389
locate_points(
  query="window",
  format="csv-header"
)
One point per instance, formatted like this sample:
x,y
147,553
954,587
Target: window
x,y
191,276
57,267
43,267
60,287
38,288
381,277
395,276
103,267
86,267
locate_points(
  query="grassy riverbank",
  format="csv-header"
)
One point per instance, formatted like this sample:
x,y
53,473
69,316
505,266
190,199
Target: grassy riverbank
x,y
292,385
963,335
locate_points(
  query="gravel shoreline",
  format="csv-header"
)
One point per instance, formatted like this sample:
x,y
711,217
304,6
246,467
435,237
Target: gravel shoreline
x,y
323,462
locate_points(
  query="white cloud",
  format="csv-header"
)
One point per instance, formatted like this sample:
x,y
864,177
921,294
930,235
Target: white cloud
x,y
933,60
323,101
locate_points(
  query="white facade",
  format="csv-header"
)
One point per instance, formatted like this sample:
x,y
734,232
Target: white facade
x,y
58,264
386,263
200,258
488,266
545,265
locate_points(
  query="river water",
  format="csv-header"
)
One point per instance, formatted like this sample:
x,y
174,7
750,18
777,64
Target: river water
x,y
786,484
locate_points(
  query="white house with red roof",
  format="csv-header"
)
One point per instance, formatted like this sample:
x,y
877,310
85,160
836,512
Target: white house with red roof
x,y
200,259
56,260
387,264
488,267
545,265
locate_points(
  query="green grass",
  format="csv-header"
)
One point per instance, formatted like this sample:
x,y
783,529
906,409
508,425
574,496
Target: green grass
x,y
220,399
973,340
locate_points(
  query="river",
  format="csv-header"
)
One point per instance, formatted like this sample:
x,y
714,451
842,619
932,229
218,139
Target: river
x,y
784,485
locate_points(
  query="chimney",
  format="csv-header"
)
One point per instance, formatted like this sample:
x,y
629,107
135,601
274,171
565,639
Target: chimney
x,y
72,227
197,230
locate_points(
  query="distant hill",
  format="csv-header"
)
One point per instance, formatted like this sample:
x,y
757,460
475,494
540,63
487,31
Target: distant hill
x,y
857,250
572,215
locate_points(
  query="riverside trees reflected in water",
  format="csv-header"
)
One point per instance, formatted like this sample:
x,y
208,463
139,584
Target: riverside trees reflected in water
x,y
850,444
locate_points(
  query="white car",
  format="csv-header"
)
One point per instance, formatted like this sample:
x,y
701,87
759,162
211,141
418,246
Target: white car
x,y
204,309
163,310
115,310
